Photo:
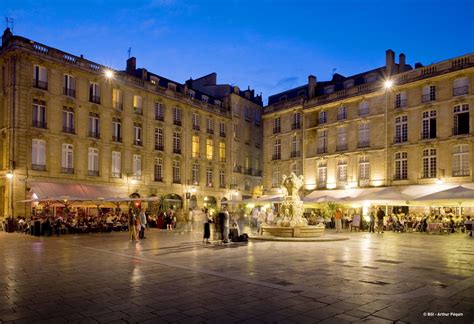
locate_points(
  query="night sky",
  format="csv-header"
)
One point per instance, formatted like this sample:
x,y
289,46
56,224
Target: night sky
x,y
268,45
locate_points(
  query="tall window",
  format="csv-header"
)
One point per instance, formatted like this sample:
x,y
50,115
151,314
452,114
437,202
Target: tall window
x,y
364,108
461,86
67,161
159,111
137,166
196,121
341,144
341,113
93,162
69,85
364,135
39,113
295,146
248,114
40,77
159,169
295,168
461,161
401,166
176,172
196,147
342,171
428,124
138,105
429,163
277,150
209,149
364,170
94,130
209,177
277,125
177,142
222,152
429,93
461,119
137,134
116,130
159,141
210,125
116,164
236,131
177,118
221,179
322,141
221,129
401,100
195,174
117,99
401,129
94,92
323,117
68,120
322,174
276,176
296,121
38,155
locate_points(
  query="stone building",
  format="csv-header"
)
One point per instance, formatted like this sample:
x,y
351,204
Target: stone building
x,y
67,122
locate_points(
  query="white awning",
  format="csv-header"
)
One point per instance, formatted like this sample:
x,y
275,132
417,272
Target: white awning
x,y
44,190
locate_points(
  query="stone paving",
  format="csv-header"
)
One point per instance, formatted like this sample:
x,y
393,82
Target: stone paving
x,y
173,277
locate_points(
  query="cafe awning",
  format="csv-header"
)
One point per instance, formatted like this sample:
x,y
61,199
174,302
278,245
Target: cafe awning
x,y
44,190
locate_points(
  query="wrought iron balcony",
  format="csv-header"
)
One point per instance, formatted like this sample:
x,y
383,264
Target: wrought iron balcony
x,y
67,170
94,99
69,92
38,167
43,85
210,131
400,176
461,173
159,117
69,130
196,127
177,181
238,168
138,110
177,122
39,124
137,142
93,173
159,147
117,138
94,134
118,105
222,134
177,150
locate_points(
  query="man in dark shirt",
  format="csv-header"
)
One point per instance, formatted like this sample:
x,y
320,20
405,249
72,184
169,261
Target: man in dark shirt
x,y
380,217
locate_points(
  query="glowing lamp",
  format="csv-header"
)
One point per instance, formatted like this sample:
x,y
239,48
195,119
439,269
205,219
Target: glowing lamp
x,y
109,74
388,84
9,175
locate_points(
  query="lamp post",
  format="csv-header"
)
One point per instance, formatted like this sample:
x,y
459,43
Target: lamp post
x,y
387,85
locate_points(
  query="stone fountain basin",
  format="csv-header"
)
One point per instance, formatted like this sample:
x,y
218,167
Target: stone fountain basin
x,y
296,231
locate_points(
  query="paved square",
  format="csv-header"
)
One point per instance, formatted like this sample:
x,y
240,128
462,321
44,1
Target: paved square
x,y
173,277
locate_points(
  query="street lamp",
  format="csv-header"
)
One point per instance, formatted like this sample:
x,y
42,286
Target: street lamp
x,y
9,175
109,74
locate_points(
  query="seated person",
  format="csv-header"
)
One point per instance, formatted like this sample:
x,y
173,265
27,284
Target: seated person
x,y
468,225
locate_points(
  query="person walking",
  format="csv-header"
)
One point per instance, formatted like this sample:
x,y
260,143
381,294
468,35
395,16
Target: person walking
x,y
380,217
143,224
226,226
371,222
207,226
132,229
338,218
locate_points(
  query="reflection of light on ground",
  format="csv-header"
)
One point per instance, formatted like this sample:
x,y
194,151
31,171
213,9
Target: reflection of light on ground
x,y
37,247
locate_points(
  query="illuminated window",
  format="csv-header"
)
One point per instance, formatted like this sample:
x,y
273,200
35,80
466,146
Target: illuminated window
x,y
209,149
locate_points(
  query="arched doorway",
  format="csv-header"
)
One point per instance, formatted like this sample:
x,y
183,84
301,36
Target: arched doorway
x,y
193,202
174,200
210,202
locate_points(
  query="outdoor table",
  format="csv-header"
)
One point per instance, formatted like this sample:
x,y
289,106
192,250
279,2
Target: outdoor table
x,y
432,227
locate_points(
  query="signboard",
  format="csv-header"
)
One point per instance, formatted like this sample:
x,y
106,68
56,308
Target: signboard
x,y
356,221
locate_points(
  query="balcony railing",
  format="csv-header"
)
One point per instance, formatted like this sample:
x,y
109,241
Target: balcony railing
x,y
427,135
402,103
177,181
295,154
69,130
159,147
94,99
196,127
276,157
138,110
428,98
39,124
67,170
38,167
94,134
364,143
461,173
158,178
118,105
117,139
116,175
238,168
222,134
460,131
398,177
276,130
176,150
210,131
341,147
459,91
177,122
43,85
137,142
400,139
159,117
69,92
428,175
93,173
322,150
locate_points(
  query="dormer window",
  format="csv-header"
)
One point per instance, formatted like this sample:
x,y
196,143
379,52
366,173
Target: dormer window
x,y
205,99
218,103
154,80
283,98
371,78
172,86
191,94
329,89
348,84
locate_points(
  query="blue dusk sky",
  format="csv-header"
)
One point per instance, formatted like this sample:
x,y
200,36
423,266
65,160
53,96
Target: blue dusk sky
x,y
270,46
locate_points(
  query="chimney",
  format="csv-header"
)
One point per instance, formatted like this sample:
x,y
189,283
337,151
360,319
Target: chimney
x,y
311,86
131,65
418,65
389,61
401,63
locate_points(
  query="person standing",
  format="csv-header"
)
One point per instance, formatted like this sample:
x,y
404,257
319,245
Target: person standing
x,y
380,217
226,225
372,222
143,224
338,218
207,226
132,229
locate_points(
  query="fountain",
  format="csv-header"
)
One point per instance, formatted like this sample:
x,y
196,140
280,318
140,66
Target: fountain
x,y
292,223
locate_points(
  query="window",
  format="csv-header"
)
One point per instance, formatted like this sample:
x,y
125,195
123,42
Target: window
x,y
210,125
116,164
196,121
341,144
342,171
176,172
295,168
322,174
69,85
195,174
94,130
461,119
117,99
248,114
364,170
159,141
137,166
276,176
177,142
461,161
364,108
40,77
221,152
137,134
401,100
177,116
93,162
218,103
401,129
94,92
221,129
341,113
258,118
209,177
295,147
277,150
205,98
461,86
195,147
67,161
38,155
159,169
401,166
277,125
236,132
428,124
364,135
429,93
159,111
68,120
209,149
348,84
138,105
429,163
39,114
322,141
329,89
296,121
191,94
221,179
371,78
323,117
117,130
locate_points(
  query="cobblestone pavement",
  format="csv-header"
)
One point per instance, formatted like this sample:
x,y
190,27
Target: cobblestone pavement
x,y
174,277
